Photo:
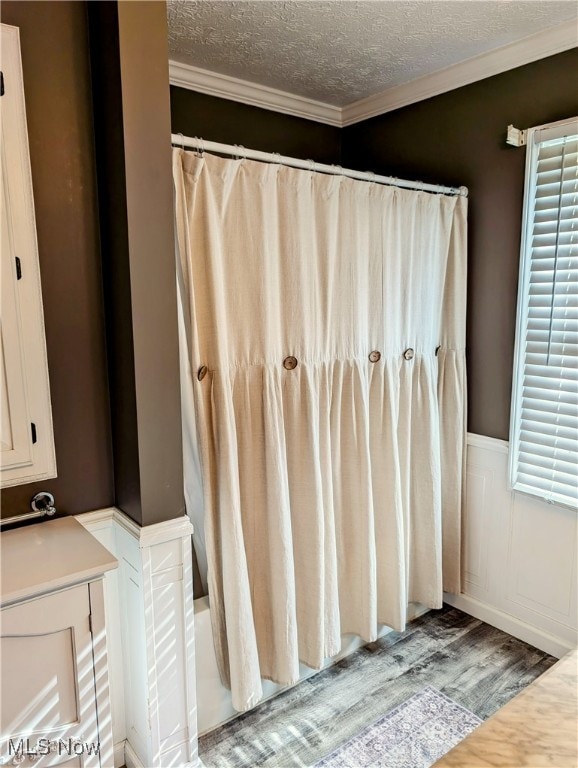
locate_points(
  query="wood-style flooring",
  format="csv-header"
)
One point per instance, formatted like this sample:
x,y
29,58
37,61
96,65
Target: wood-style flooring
x,y
475,664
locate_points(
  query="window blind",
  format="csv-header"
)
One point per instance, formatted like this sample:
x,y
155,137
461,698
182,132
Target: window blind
x,y
544,439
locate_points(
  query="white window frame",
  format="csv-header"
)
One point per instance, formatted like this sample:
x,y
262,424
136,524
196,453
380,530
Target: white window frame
x,y
534,137
24,374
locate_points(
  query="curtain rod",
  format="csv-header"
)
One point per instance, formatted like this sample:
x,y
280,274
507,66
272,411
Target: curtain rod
x,y
178,140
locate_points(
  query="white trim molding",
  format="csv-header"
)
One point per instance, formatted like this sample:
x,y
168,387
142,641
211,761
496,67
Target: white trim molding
x,y
132,760
150,625
539,638
545,43
487,443
235,89
548,42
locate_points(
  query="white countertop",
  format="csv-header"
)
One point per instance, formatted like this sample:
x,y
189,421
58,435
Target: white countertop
x,y
51,555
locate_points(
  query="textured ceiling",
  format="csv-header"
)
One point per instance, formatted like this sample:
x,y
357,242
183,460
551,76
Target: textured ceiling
x,y
339,51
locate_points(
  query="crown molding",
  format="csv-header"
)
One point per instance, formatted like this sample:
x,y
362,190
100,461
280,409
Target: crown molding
x,y
235,89
539,46
516,54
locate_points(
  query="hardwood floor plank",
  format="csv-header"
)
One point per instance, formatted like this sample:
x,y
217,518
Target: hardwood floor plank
x,y
475,664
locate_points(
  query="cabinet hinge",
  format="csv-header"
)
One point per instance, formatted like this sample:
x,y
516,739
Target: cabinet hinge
x,y
18,269
1,83
33,430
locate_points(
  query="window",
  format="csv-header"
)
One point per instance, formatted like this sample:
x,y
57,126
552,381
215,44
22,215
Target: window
x,y
544,425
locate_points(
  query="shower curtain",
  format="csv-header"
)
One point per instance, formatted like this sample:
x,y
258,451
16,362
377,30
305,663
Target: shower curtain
x,y
325,322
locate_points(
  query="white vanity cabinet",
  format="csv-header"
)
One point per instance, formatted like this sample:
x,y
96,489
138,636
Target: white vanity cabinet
x,y
55,706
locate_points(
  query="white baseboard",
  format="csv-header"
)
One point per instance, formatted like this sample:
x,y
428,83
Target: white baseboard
x,y
119,756
555,646
131,759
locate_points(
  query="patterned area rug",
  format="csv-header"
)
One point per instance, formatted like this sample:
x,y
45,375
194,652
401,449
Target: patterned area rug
x,y
413,735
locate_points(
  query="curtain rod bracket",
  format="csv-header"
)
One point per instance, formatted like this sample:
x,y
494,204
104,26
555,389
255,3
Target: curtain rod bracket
x,y
515,137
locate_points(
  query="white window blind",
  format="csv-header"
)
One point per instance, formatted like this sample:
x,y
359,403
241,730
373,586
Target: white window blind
x,y
544,429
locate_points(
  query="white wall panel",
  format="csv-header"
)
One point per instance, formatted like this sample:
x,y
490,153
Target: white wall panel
x,y
519,555
150,622
542,557
479,481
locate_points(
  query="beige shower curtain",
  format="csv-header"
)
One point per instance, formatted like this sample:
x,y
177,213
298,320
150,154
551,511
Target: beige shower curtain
x,y
326,324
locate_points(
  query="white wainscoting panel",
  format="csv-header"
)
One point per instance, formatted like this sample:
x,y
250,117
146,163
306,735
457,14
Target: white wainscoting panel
x,y
150,626
542,558
519,555
480,483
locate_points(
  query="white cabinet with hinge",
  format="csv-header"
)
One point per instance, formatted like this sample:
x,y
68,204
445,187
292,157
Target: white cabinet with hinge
x,y
55,703
26,435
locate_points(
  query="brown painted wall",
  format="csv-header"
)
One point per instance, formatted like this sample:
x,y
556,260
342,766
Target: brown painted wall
x,y
455,138
150,218
59,111
214,119
459,138
109,139
131,96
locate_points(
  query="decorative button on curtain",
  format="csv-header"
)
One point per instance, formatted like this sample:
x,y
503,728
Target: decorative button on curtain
x,y
332,483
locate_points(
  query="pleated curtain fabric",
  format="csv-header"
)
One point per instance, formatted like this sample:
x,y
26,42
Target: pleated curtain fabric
x,y
326,334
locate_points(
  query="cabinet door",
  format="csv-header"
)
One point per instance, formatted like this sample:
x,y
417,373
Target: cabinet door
x,y
26,434
15,430
48,683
